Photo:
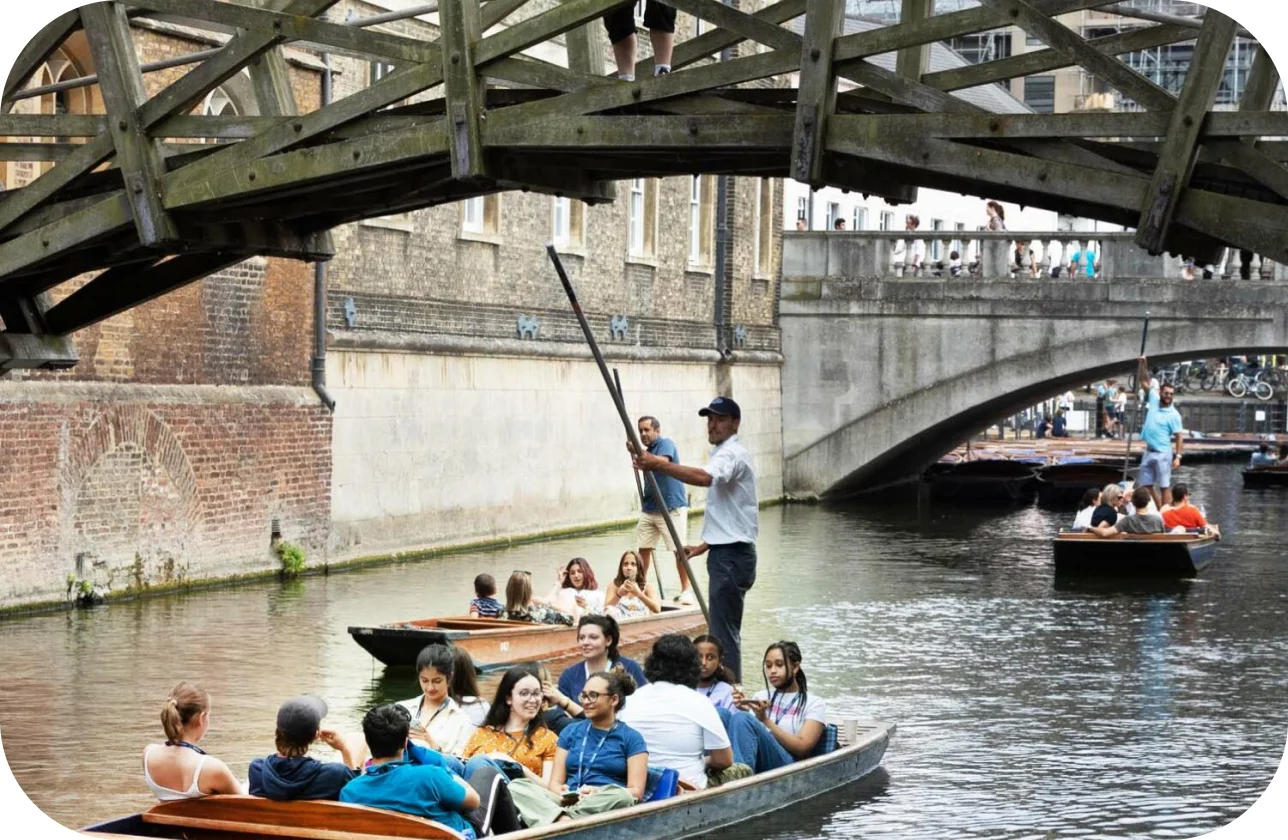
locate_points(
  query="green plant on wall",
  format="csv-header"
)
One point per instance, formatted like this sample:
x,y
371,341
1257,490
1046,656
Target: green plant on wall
x,y
292,557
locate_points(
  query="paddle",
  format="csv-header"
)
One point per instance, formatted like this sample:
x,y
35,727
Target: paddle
x,y
639,488
1135,410
631,435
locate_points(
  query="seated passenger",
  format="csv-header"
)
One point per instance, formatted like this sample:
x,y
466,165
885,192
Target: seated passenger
x,y
781,724
291,773
597,639
682,729
715,682
514,737
576,591
522,605
601,764
485,604
1086,509
1262,457
554,705
465,686
180,769
436,719
630,594
1135,523
395,784
1185,516
1107,511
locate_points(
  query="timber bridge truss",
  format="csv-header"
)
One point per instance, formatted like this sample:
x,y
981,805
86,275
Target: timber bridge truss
x,y
135,196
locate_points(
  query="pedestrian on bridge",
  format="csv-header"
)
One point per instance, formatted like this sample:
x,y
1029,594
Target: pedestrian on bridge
x,y
659,20
730,524
1163,429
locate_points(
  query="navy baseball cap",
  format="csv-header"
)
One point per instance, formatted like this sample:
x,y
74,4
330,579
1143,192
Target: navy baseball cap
x,y
722,406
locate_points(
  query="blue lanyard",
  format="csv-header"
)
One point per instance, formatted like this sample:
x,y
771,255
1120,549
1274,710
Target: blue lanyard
x,y
581,759
774,699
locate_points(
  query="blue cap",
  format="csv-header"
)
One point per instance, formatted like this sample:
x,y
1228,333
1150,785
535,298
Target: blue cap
x,y
722,406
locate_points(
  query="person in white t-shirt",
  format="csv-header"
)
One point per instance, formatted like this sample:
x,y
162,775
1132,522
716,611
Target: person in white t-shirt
x,y
1055,257
681,728
782,724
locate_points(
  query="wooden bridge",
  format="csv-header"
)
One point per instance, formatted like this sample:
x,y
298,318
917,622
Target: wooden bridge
x,y
133,197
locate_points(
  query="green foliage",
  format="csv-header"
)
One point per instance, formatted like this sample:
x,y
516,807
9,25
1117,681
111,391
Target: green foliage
x,y
292,557
86,588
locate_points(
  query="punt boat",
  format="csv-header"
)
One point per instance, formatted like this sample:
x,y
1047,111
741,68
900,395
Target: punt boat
x,y
1266,477
495,643
1061,485
1132,555
714,809
985,481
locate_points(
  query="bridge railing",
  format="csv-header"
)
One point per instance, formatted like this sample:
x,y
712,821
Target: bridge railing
x,y
992,255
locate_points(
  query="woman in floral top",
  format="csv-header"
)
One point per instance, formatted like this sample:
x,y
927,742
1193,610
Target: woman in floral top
x,y
514,734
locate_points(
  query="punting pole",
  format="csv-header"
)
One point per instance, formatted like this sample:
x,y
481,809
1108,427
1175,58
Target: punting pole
x,y
631,434
1135,409
639,488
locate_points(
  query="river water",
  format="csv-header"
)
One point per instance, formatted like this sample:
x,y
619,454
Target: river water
x,y
1023,710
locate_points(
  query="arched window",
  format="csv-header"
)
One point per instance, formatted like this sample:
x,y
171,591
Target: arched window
x,y
218,104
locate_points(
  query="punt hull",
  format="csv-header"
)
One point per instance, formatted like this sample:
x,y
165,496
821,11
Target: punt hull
x,y
982,482
1061,486
495,644
1161,555
1266,477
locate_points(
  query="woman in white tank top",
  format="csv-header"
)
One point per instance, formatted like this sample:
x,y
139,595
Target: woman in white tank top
x,y
179,769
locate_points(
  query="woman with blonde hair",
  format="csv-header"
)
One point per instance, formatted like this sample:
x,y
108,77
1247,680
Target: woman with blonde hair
x,y
179,769
522,605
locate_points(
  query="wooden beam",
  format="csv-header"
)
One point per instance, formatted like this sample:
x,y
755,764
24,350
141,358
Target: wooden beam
x,y
913,62
495,11
84,159
52,125
108,215
585,51
906,91
983,126
750,132
1262,83
121,83
816,99
1046,60
37,51
1062,39
1176,161
462,90
540,28
747,27
709,43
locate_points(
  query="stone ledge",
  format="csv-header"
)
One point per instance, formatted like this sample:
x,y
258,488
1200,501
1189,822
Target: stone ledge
x,y
62,392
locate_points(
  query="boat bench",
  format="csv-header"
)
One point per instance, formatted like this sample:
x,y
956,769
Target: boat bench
x,y
231,816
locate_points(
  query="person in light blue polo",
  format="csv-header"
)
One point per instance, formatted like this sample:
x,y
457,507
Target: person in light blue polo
x,y
1163,436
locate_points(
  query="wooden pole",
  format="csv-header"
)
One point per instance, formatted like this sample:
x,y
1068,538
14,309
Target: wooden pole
x,y
639,488
1135,412
631,436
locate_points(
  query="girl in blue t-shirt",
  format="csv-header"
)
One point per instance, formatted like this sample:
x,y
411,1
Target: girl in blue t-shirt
x,y
597,638
601,764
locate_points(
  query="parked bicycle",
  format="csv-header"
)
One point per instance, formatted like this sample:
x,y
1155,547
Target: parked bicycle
x,y
1241,384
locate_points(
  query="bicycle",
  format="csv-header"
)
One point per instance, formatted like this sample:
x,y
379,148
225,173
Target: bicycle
x,y
1240,385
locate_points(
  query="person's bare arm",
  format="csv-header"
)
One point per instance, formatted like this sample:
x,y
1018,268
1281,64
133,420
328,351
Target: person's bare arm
x,y
471,797
217,778
695,476
559,776
637,775
799,745
720,759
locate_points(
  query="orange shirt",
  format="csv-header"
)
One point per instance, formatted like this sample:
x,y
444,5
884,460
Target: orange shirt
x,y
486,740
1186,516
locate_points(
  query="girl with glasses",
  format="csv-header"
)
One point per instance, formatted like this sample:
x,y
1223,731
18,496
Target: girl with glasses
x,y
514,737
601,764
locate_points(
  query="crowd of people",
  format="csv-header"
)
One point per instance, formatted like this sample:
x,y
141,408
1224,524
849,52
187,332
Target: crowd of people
x,y
604,737
1110,511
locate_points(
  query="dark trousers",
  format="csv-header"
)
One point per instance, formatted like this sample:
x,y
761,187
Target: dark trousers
x,y
731,572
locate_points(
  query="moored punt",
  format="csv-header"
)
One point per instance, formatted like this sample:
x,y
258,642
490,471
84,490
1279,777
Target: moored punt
x,y
1132,555
987,481
1266,477
494,643
1062,485
246,817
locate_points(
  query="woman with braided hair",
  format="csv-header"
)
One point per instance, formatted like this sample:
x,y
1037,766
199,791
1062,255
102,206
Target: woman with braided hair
x,y
782,723
179,769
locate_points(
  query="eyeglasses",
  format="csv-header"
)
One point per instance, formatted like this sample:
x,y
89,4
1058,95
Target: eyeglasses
x,y
590,696
528,694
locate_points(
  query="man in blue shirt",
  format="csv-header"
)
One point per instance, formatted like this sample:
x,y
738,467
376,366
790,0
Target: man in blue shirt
x,y
1163,428
395,784
652,527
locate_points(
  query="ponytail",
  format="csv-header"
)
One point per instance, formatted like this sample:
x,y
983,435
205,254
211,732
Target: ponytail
x,y
185,702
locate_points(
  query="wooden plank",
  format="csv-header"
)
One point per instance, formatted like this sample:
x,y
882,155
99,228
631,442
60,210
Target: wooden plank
x,y
730,19
906,91
635,132
1046,60
109,215
462,90
1059,126
52,125
585,52
913,62
542,27
37,51
495,11
816,97
1262,83
121,83
1061,38
84,159
708,43
1176,161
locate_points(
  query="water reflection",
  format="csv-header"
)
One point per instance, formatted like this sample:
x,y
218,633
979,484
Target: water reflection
x,y
1025,706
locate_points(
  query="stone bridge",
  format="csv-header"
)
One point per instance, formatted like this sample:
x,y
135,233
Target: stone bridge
x,y
884,374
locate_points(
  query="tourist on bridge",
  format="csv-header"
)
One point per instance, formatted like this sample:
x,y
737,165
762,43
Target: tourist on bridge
x,y
1163,429
731,522
659,20
651,527
996,215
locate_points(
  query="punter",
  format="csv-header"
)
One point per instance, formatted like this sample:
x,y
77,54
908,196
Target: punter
x,y
652,527
731,522
1163,429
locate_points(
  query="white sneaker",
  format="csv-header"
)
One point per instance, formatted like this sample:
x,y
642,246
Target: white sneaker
x,y
685,597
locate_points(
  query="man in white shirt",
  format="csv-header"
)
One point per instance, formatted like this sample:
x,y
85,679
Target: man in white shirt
x,y
730,524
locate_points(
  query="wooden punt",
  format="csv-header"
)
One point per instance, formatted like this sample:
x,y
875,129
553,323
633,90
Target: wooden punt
x,y
1061,485
983,482
494,643
714,809
1132,555
1266,477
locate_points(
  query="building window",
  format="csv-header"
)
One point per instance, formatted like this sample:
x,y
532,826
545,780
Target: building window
x,y
764,228
887,221
378,70
833,213
859,219
1039,94
481,215
472,215
702,217
700,26
936,244
802,210
957,243
568,222
642,219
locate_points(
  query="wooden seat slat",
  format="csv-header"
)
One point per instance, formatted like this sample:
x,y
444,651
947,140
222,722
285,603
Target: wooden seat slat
x,y
312,820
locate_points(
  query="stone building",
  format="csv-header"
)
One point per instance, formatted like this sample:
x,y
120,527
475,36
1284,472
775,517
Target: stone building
x,y
188,437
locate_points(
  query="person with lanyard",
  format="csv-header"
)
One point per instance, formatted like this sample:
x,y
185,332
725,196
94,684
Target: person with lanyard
x,y
714,680
180,769
730,524
781,724
597,638
601,764
1162,429
437,721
